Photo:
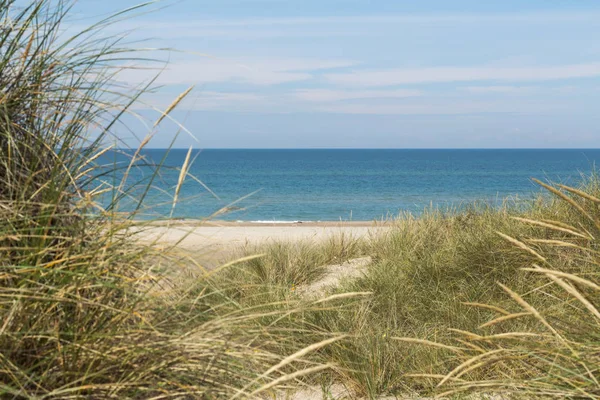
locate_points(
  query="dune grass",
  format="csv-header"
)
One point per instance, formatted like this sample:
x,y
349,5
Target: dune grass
x,y
83,310
553,351
441,311
483,300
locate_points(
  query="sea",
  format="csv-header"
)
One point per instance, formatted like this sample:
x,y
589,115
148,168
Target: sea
x,y
284,185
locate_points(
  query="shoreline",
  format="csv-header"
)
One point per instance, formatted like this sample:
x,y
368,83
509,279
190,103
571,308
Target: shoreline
x,y
197,223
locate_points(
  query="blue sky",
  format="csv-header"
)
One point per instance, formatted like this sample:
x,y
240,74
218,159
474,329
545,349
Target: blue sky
x,y
358,73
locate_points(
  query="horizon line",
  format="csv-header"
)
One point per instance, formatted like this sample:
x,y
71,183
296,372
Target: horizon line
x,y
362,148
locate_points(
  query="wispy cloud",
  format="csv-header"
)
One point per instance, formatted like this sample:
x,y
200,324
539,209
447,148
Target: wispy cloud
x,y
548,17
403,76
338,25
207,100
325,95
248,71
445,108
531,90
501,89
365,103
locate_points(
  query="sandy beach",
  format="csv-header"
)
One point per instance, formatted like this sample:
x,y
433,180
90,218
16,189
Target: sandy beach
x,y
195,235
213,241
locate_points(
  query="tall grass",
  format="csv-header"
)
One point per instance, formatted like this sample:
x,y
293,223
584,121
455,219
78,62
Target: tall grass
x,y
555,352
435,278
485,300
82,311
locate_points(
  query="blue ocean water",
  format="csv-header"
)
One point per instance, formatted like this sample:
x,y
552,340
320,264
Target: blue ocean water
x,y
321,185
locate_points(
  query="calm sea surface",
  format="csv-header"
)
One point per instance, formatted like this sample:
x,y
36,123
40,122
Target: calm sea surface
x,y
320,185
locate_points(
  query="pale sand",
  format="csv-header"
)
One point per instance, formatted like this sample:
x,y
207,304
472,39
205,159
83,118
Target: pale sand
x,y
334,274
213,241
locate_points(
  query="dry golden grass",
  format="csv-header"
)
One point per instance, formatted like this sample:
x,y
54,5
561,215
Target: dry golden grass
x,y
480,300
438,309
82,310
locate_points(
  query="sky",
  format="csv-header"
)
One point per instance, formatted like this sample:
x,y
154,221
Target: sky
x,y
369,74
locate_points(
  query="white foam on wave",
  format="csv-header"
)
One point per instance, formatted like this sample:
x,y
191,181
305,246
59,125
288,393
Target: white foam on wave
x,y
279,222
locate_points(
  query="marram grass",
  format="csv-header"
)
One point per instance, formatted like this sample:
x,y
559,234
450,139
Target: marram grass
x,y
82,311
494,301
556,351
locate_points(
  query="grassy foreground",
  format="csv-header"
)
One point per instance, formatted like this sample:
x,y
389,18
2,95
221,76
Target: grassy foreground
x,y
500,301
83,308
486,300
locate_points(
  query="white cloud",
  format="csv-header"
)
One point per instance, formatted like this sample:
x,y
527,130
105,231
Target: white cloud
x,y
325,95
335,25
224,100
527,90
329,103
405,76
201,100
250,71
541,16
500,89
445,108
254,32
